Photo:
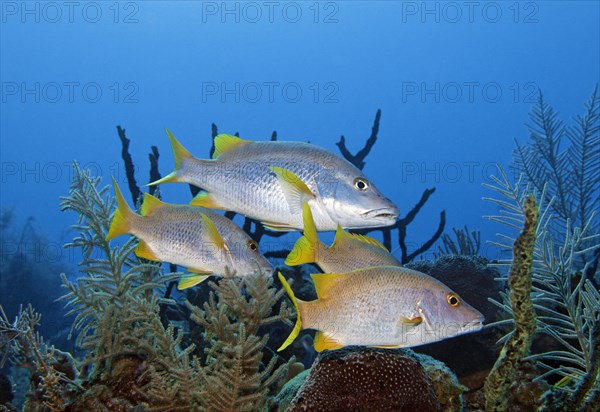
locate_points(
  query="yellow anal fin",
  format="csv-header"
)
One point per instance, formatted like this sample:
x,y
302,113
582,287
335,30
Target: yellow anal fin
x,y
143,250
324,282
305,248
298,326
205,199
296,192
150,204
387,346
192,279
226,142
322,342
278,227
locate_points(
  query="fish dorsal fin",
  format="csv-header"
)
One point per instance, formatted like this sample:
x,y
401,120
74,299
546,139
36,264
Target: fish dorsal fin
x,y
150,204
323,342
143,250
212,231
227,142
342,236
296,192
324,282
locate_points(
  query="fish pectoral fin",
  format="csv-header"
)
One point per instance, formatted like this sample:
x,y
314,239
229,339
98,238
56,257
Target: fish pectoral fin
x,y
212,231
192,279
412,321
143,250
278,227
205,199
296,192
324,342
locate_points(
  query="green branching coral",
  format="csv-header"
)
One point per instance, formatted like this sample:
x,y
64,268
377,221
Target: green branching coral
x,y
563,163
565,299
518,344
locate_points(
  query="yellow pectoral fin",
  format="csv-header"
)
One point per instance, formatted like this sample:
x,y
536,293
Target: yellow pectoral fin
x,y
322,342
388,346
414,321
192,279
205,199
225,142
212,231
296,192
143,250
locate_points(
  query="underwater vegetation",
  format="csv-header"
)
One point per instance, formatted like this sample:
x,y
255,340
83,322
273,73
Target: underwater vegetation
x,y
141,350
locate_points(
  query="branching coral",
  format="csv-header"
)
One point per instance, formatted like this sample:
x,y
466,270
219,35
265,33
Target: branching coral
x,y
466,243
565,299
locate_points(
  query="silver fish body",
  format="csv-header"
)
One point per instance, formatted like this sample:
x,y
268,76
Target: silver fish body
x,y
242,178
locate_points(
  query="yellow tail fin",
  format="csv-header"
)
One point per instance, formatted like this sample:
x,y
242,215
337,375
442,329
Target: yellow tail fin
x,y
121,222
298,327
305,249
180,154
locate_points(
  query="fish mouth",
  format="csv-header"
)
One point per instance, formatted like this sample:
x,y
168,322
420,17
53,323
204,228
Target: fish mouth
x,y
384,213
474,325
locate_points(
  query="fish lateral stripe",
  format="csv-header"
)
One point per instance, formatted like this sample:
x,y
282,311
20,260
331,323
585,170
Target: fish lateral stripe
x,y
296,302
121,222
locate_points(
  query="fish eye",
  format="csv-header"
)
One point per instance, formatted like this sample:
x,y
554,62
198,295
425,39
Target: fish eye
x,y
361,184
252,245
453,299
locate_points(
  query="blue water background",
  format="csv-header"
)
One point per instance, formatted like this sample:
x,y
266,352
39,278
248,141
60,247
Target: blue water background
x,y
454,80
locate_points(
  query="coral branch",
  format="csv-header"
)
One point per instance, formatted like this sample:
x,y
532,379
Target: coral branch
x,y
154,173
517,347
358,159
129,167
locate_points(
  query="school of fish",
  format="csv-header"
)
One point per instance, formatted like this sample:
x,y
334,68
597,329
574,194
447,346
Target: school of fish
x,y
365,296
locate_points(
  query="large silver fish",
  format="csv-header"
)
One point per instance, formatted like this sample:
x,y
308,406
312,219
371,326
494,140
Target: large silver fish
x,y
383,306
270,181
199,239
348,252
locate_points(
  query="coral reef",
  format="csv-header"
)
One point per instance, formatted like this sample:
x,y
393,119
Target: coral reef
x,y
466,243
362,379
518,344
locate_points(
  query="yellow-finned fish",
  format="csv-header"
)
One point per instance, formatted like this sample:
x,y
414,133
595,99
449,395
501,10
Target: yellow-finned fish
x,y
382,306
270,181
205,242
349,251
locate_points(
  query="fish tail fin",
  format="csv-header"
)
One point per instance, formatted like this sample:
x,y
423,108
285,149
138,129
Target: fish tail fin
x,y
181,155
123,216
297,303
305,249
